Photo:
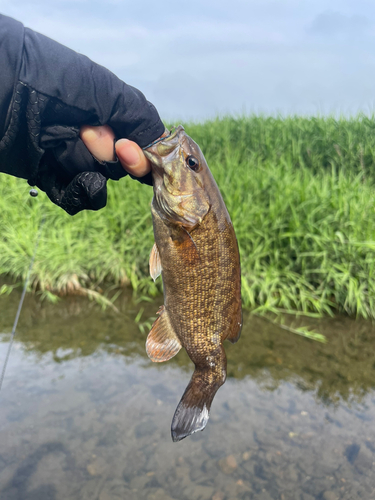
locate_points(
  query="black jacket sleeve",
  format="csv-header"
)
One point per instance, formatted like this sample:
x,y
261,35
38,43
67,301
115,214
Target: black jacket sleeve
x,y
47,92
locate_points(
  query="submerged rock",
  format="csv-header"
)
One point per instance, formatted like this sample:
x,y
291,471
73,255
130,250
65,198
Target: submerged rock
x,y
228,464
330,495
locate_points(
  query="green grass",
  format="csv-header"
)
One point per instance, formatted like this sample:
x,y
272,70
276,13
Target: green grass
x,y
301,195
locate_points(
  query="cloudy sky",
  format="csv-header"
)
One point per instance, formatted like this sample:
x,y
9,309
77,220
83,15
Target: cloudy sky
x,y
199,58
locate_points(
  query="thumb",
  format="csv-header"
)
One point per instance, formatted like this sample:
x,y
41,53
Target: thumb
x,y
99,141
132,158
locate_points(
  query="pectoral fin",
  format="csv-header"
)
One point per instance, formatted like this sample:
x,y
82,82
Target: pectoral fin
x,y
162,343
184,244
155,262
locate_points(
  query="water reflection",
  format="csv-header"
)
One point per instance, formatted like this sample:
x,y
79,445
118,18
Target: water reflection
x,y
342,368
84,413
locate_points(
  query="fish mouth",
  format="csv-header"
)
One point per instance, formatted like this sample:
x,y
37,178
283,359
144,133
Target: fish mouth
x,y
164,145
165,151
178,194
175,132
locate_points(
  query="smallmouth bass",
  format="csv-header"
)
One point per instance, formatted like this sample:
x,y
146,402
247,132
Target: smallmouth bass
x,y
196,253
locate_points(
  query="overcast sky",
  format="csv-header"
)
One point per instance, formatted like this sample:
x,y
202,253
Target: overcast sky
x,y
196,59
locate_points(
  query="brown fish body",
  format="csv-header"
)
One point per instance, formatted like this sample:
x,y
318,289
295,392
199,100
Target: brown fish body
x,y
200,267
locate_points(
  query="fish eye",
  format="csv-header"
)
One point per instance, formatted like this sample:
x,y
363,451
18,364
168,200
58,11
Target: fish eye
x,y
192,163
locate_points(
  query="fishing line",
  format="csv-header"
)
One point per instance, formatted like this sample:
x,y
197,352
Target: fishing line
x,y
33,193
159,140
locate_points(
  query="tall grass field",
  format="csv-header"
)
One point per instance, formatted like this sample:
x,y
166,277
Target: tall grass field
x,y
301,194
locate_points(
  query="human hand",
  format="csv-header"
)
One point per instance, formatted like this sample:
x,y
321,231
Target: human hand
x,y
88,189
65,92
99,141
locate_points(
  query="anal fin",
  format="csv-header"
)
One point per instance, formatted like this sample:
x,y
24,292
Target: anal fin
x,y
162,342
155,263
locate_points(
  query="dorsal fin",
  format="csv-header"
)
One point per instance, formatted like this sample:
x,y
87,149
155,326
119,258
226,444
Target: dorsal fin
x,y
155,262
162,342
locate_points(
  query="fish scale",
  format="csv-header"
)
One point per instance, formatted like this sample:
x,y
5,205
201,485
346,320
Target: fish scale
x,y
200,267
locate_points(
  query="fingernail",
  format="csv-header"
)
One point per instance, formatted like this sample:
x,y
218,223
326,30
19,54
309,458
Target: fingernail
x,y
128,153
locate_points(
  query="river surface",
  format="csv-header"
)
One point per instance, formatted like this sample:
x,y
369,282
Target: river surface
x,y
85,415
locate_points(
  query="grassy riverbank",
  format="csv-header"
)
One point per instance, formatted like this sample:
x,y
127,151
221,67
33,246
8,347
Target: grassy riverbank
x,y
301,195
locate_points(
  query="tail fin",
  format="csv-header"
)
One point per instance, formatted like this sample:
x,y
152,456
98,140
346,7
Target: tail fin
x,y
192,413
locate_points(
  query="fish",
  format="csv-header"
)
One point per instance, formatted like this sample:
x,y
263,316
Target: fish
x,y
196,252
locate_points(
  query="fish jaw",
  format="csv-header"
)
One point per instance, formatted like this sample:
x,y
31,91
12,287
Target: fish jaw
x,y
179,192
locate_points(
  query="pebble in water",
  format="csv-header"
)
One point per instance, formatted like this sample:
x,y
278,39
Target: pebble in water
x,y
97,467
330,495
228,464
351,452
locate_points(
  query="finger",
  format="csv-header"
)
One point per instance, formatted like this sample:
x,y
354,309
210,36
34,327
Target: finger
x,y
132,158
99,141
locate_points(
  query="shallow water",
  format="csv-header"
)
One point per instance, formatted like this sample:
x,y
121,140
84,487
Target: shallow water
x,y
85,415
